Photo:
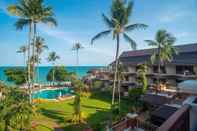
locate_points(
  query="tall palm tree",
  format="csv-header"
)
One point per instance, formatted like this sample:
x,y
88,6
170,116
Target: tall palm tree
x,y
23,50
52,58
42,14
23,11
118,25
164,42
76,47
31,12
40,47
121,77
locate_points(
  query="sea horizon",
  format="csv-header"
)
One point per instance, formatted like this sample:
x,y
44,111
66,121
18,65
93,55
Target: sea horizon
x,y
81,71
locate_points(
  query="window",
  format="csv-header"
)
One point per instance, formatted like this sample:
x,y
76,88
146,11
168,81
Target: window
x,y
186,70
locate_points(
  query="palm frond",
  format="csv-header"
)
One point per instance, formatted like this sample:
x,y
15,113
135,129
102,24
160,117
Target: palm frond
x,y
107,21
151,42
99,35
50,20
135,26
129,9
131,41
21,23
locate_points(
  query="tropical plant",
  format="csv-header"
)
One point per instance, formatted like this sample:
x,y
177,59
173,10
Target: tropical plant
x,y
77,47
52,58
16,75
134,98
31,12
60,74
23,12
78,115
118,25
15,110
42,14
142,79
23,50
40,47
164,42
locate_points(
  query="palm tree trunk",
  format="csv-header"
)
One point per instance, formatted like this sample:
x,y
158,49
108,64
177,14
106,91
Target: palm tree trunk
x,y
159,68
119,95
24,57
53,73
33,52
28,61
116,68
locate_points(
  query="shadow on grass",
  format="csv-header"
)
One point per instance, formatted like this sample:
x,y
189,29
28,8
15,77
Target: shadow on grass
x,y
41,125
53,114
103,96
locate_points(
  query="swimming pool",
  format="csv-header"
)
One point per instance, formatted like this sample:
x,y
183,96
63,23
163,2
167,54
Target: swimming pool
x,y
52,93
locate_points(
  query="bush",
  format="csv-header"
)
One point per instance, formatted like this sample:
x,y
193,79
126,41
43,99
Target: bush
x,y
97,84
16,75
134,97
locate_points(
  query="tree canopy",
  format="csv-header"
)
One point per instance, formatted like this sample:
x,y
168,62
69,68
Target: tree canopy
x,y
60,74
17,75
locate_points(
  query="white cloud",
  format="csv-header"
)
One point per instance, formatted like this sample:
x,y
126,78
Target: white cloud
x,y
71,37
171,16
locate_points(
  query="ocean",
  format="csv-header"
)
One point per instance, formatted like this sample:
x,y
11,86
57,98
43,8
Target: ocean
x,y
43,71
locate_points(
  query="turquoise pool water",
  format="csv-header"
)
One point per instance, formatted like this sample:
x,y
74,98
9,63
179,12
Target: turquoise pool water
x,y
52,94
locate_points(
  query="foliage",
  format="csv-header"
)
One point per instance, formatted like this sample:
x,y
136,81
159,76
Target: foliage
x,y
60,74
164,42
97,84
118,25
16,75
141,73
53,57
78,115
134,97
15,111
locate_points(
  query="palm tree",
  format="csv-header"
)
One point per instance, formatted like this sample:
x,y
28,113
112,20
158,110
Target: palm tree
x,y
42,14
52,58
141,73
23,50
23,11
31,12
40,47
118,25
164,42
121,77
77,47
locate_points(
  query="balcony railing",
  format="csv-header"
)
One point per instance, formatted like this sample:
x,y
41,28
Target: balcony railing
x,y
179,121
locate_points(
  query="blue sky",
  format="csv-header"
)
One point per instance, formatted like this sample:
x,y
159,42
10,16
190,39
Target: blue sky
x,y
80,20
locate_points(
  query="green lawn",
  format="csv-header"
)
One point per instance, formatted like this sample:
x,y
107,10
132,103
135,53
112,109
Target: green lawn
x,y
96,108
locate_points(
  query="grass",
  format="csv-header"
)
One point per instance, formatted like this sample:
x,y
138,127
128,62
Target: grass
x,y
58,114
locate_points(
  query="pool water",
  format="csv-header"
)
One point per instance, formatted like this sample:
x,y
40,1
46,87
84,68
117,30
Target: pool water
x,y
52,94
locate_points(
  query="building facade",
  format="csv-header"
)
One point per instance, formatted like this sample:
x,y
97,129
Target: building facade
x,y
182,67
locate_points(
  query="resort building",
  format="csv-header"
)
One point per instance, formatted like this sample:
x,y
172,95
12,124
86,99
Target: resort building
x,y
182,67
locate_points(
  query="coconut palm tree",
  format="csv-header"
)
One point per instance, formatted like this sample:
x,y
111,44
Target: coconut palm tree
x,y
23,50
76,47
23,11
52,58
121,77
40,47
31,12
118,25
164,42
42,14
